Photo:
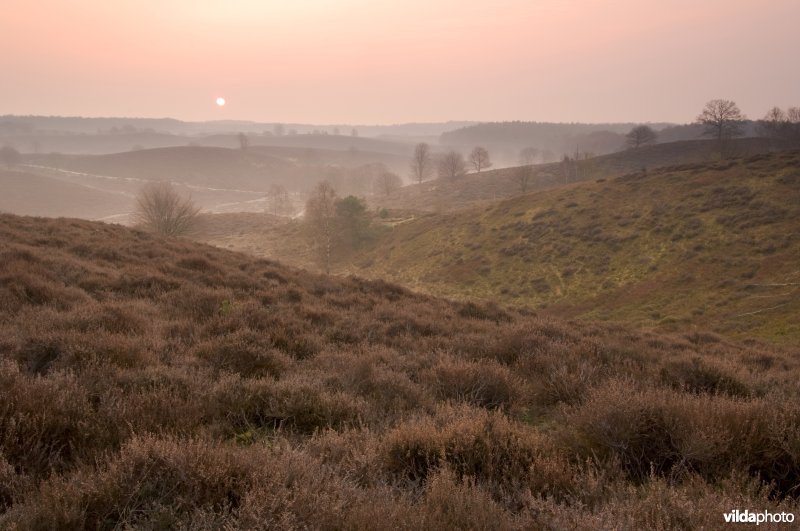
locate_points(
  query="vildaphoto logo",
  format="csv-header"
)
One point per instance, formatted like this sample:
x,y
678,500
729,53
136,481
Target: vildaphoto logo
x,y
748,517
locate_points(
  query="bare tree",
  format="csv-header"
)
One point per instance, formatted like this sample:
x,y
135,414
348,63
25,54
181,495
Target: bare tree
x,y
479,159
10,156
421,162
278,129
387,182
640,135
278,202
452,165
774,125
320,221
722,119
529,156
244,141
522,176
160,209
793,117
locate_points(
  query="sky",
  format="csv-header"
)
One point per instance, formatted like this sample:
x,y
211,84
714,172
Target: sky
x,y
397,61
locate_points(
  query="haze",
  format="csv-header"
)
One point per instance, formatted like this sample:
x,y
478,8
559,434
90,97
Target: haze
x,y
360,61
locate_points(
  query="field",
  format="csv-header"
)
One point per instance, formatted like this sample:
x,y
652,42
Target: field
x,y
159,383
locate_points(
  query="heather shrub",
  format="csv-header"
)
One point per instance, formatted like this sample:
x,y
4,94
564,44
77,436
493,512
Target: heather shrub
x,y
470,442
151,483
481,383
295,404
671,434
152,383
47,423
698,377
244,353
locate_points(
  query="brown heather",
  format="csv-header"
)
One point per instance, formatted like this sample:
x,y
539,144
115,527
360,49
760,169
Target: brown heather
x,y
155,383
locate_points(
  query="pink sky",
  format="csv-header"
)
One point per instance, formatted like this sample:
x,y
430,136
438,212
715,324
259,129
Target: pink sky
x,y
372,61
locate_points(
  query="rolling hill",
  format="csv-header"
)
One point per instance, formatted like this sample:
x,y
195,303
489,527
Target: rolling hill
x,y
154,383
487,186
715,245
35,195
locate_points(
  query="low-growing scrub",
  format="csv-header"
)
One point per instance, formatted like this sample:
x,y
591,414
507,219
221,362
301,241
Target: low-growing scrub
x,y
163,384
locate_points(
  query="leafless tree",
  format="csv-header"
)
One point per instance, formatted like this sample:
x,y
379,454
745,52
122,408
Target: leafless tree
x,y
774,125
722,119
479,159
244,141
320,221
278,129
387,182
452,165
160,209
421,162
10,156
522,176
793,117
640,135
278,202
529,156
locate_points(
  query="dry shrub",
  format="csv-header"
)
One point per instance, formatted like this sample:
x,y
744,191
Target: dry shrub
x,y
295,403
449,503
143,282
670,434
483,383
47,423
378,377
487,311
155,383
197,303
244,353
48,340
12,485
470,442
152,483
696,376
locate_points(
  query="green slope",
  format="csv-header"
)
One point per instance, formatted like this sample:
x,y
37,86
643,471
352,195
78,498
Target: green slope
x,y
713,245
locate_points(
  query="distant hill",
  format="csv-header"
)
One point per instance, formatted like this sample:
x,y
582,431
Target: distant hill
x,y
715,245
151,383
476,188
553,140
35,195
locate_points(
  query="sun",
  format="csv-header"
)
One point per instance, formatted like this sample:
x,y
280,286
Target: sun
x,y
221,101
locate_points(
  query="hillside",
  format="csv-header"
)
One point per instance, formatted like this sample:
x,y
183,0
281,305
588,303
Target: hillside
x,y
195,165
479,188
714,245
257,234
35,195
150,383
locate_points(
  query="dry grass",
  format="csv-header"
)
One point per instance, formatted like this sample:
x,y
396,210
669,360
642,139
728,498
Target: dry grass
x,y
156,383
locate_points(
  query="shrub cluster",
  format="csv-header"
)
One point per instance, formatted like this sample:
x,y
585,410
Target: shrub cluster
x,y
155,383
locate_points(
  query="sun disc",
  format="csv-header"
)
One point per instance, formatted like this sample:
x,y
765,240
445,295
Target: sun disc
x,y
221,101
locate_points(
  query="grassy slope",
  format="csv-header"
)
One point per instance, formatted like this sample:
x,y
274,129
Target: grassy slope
x,y
682,245
34,195
257,234
473,189
197,165
154,383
